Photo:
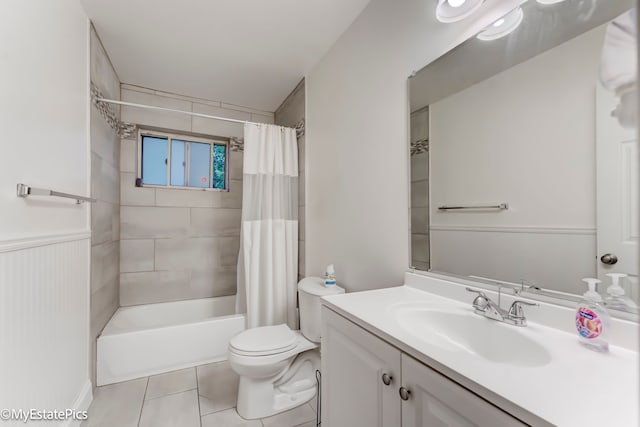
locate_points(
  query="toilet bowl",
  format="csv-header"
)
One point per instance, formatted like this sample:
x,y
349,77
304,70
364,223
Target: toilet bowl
x,y
277,366
276,377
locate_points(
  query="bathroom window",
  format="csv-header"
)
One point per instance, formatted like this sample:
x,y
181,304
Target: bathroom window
x,y
181,161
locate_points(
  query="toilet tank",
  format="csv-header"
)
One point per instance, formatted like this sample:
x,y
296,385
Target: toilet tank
x,y
310,290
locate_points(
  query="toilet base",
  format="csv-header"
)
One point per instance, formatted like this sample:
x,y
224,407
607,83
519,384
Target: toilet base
x,y
294,386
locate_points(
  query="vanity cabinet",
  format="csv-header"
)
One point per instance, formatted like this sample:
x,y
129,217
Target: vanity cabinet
x,y
353,364
435,400
367,382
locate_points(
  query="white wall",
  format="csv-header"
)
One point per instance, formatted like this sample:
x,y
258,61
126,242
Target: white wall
x,y
525,136
357,138
43,107
44,281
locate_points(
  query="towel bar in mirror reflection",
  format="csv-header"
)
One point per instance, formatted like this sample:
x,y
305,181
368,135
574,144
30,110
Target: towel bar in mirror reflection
x,y
499,206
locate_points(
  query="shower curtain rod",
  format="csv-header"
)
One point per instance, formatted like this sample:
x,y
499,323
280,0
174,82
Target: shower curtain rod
x,y
189,113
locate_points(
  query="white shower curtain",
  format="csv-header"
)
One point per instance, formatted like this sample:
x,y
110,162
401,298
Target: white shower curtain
x,y
268,259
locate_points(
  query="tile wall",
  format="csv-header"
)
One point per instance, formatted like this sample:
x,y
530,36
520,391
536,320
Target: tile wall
x,y
179,244
105,213
289,114
420,192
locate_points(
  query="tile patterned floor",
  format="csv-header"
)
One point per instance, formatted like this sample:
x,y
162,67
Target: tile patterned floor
x,y
204,396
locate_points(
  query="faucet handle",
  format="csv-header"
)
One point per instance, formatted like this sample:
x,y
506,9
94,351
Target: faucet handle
x,y
516,311
481,301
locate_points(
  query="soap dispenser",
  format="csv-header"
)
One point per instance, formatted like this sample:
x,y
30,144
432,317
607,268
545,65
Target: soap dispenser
x,y
330,276
592,319
617,299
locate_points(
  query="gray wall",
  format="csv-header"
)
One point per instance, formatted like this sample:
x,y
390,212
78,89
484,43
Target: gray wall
x,y
179,244
105,214
419,208
289,114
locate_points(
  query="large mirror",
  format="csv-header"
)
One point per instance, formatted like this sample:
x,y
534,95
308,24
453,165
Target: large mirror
x,y
524,154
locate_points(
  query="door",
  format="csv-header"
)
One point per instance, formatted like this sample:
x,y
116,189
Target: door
x,y
360,376
435,401
617,193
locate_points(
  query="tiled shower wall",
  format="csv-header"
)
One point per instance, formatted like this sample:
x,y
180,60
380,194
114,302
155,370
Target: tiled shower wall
x,y
289,114
105,213
420,192
179,244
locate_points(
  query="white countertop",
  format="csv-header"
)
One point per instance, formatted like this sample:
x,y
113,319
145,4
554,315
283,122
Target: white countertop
x,y
578,387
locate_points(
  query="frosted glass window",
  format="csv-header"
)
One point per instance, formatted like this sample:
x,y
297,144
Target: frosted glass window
x,y
199,164
178,162
154,160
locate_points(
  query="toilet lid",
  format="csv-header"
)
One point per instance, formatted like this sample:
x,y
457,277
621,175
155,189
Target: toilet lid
x,y
264,340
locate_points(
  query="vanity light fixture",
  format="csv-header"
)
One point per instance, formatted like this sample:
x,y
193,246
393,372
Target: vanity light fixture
x,y
503,26
448,11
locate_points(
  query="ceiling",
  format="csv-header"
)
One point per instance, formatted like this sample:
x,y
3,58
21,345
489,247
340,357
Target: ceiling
x,y
244,52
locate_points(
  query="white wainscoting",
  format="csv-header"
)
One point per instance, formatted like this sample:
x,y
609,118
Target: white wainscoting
x,y
551,257
44,323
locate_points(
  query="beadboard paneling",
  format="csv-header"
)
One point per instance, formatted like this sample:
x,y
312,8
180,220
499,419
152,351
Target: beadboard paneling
x,y
44,324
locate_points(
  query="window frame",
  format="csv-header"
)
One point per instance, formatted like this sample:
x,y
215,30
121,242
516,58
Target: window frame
x,y
185,137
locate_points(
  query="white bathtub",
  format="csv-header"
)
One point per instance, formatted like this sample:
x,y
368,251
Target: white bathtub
x,y
150,339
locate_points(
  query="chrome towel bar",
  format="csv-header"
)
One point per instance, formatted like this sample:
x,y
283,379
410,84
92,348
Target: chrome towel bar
x,y
24,190
501,207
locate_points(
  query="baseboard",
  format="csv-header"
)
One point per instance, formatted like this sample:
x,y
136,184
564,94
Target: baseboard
x,y
81,403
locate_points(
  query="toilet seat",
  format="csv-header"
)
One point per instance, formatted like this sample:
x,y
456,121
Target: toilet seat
x,y
264,341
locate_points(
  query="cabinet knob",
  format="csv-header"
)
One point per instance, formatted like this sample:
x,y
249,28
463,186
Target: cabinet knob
x,y
386,379
405,393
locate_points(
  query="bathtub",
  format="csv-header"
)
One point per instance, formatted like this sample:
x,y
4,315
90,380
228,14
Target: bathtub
x,y
150,339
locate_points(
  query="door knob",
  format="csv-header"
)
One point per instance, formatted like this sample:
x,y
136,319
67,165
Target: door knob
x,y
609,259
404,393
386,379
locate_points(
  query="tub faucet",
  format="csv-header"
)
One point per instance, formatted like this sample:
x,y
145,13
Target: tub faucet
x,y
484,306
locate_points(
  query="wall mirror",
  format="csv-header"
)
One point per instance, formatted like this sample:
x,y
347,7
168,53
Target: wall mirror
x,y
524,153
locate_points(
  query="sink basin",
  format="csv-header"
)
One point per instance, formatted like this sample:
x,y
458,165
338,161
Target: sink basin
x,y
462,331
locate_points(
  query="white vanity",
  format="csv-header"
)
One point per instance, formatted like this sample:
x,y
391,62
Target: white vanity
x,y
418,355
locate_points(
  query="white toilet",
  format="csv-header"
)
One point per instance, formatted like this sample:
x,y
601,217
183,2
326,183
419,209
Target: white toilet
x,y
277,366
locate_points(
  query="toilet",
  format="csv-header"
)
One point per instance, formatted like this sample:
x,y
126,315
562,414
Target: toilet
x,y
277,366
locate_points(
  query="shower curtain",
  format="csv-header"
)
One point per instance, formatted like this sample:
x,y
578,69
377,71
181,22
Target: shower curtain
x,y
268,258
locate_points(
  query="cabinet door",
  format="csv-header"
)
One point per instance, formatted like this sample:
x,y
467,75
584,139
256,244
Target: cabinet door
x,y
353,364
436,401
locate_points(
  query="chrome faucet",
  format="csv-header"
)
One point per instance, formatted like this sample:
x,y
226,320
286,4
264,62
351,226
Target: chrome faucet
x,y
484,306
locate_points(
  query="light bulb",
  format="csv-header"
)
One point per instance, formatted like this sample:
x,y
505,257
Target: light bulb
x,y
503,26
456,10
456,3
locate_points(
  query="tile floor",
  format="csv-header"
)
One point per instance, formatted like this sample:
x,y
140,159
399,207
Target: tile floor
x,y
204,396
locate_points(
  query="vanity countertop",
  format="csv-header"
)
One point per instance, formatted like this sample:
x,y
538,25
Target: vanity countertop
x,y
577,387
